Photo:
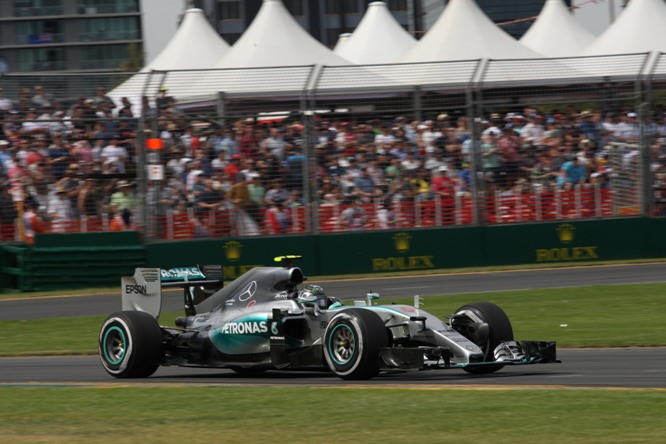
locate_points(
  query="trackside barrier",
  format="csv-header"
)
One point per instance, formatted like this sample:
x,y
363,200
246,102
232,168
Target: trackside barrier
x,y
100,259
71,261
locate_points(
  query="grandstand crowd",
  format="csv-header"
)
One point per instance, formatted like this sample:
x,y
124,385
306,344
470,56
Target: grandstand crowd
x,y
80,162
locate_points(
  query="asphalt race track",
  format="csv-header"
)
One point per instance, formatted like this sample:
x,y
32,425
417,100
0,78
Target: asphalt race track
x,y
55,307
602,368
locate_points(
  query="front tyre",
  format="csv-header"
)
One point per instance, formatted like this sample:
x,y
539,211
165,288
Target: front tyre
x,y
352,343
488,337
130,344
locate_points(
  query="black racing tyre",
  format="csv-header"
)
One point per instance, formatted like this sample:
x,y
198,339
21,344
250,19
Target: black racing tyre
x,y
352,343
499,330
130,344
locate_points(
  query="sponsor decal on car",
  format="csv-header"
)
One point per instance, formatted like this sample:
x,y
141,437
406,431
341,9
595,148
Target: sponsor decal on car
x,y
244,328
181,274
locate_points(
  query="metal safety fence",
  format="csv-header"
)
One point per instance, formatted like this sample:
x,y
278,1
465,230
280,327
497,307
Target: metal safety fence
x,y
311,149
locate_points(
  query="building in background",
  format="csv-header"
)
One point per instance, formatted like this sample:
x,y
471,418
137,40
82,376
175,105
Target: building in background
x,y
325,20
38,36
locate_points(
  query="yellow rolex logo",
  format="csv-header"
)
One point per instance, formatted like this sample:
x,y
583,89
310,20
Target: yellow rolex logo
x,y
402,241
566,233
233,250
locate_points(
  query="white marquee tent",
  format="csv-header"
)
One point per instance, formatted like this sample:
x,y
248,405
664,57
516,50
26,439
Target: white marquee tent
x,y
379,38
641,27
464,32
556,32
179,53
275,38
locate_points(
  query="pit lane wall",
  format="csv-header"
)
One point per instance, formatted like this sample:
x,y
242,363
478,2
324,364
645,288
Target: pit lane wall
x,y
370,252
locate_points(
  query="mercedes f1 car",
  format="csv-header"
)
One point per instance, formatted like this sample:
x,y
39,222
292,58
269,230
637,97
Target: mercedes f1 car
x,y
263,321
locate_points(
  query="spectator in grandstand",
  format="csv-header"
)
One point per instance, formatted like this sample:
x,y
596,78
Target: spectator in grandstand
x,y
411,163
121,221
276,193
223,142
6,104
32,126
233,168
123,198
627,128
443,185
102,97
353,217
324,133
42,98
295,165
278,220
89,198
491,161
248,142
572,174
533,131
163,100
116,154
81,152
58,155
239,195
209,199
33,220
60,210
509,148
275,144
420,182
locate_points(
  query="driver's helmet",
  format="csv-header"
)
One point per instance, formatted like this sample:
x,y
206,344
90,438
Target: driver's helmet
x,y
311,295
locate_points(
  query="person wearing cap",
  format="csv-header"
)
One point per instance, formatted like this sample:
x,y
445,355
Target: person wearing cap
x,y
123,198
163,99
60,209
627,129
534,130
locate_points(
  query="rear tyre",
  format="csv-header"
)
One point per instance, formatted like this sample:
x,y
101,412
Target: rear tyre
x,y
352,343
499,330
130,344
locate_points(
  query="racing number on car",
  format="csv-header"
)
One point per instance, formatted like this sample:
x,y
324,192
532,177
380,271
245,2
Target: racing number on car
x,y
248,291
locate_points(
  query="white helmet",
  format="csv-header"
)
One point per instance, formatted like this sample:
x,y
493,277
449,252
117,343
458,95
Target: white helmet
x,y
313,294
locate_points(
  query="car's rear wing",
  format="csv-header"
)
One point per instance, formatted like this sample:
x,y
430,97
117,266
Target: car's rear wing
x,y
143,291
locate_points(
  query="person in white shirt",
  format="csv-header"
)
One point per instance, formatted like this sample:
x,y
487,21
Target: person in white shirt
x,y
116,154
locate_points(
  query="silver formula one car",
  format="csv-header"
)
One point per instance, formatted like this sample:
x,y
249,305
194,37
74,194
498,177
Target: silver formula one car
x,y
263,321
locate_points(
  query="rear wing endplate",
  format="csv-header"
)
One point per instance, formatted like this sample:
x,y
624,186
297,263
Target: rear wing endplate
x,y
143,290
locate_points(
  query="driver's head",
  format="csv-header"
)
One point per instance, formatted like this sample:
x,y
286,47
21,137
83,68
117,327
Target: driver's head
x,y
311,295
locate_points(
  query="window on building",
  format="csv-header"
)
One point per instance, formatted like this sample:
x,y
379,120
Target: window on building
x,y
103,56
38,31
336,6
29,8
41,59
295,7
118,28
108,6
398,5
230,10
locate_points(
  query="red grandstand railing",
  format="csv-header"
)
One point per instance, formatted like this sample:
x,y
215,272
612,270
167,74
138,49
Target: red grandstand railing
x,y
579,203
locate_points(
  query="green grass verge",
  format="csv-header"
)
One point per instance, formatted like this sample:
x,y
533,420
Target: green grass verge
x,y
598,316
328,415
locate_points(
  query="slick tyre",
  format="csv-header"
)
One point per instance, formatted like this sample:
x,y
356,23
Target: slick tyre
x,y
130,344
352,343
499,330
